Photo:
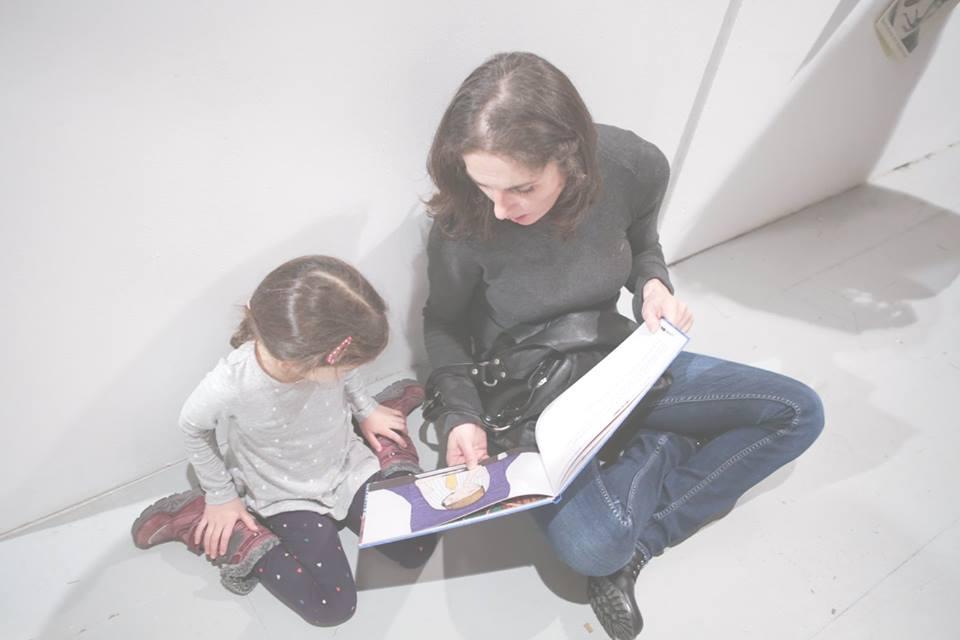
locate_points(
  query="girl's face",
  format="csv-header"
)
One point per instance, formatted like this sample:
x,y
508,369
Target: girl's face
x,y
519,194
326,374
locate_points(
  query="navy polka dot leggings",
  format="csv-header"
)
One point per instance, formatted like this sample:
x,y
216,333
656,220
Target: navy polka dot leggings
x,y
308,570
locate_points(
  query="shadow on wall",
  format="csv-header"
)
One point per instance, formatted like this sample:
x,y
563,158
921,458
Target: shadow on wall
x,y
164,373
402,255
840,14
827,136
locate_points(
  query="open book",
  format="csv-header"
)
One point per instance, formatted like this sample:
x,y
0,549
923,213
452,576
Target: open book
x,y
569,433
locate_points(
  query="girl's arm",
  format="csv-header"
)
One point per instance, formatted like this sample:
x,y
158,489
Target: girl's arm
x,y
374,419
361,404
204,410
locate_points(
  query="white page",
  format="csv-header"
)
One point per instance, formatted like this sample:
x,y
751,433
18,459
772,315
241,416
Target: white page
x,y
571,426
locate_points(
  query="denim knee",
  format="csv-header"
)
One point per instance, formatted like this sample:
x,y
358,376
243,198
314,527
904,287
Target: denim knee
x,y
810,417
586,546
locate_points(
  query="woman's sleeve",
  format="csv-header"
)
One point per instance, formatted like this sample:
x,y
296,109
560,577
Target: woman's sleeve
x,y
652,173
361,404
203,411
454,277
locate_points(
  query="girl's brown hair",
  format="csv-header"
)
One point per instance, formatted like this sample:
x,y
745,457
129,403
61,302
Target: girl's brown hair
x,y
519,106
305,309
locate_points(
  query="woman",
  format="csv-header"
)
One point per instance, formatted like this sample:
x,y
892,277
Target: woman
x,y
538,212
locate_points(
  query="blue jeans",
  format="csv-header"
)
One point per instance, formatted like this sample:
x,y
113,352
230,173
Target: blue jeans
x,y
688,455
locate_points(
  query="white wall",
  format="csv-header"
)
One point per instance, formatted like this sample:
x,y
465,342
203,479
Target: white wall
x,y
930,119
801,108
159,158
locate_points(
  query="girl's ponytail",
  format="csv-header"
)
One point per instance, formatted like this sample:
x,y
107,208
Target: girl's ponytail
x,y
244,332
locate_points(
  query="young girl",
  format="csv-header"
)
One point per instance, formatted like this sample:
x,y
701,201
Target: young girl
x,y
286,397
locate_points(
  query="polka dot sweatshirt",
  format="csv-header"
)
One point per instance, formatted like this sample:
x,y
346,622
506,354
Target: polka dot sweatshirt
x,y
291,446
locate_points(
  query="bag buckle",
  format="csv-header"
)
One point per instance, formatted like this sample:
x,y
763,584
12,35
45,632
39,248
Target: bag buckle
x,y
502,421
489,372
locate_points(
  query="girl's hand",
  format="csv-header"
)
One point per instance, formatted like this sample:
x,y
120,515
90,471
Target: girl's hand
x,y
384,422
467,444
658,303
217,524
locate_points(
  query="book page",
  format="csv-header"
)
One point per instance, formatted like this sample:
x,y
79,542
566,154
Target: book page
x,y
411,505
575,425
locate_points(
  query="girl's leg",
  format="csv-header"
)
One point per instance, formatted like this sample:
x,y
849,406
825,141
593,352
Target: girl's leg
x,y
410,553
309,572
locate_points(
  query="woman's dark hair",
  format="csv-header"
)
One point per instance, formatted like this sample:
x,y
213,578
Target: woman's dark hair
x,y
519,106
305,309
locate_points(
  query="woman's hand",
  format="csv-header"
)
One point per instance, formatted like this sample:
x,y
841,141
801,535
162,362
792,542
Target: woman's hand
x,y
384,422
217,524
466,444
658,303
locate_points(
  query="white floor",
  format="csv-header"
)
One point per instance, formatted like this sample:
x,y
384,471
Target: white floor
x,y
860,538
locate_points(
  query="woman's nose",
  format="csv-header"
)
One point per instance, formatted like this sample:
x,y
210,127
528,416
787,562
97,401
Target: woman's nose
x,y
499,205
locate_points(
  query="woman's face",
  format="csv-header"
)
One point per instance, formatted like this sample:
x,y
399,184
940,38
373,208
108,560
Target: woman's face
x,y
519,194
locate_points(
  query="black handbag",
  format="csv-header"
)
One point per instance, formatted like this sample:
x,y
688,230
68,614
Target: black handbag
x,y
527,367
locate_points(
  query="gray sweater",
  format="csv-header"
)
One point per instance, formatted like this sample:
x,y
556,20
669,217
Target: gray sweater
x,y
291,446
530,274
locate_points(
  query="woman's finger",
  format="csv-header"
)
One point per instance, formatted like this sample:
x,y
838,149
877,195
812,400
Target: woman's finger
x,y
673,310
651,317
480,445
470,457
454,457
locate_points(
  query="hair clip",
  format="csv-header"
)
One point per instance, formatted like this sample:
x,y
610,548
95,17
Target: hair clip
x,y
334,355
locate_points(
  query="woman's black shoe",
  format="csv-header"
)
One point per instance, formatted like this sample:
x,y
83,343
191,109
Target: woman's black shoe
x,y
613,600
